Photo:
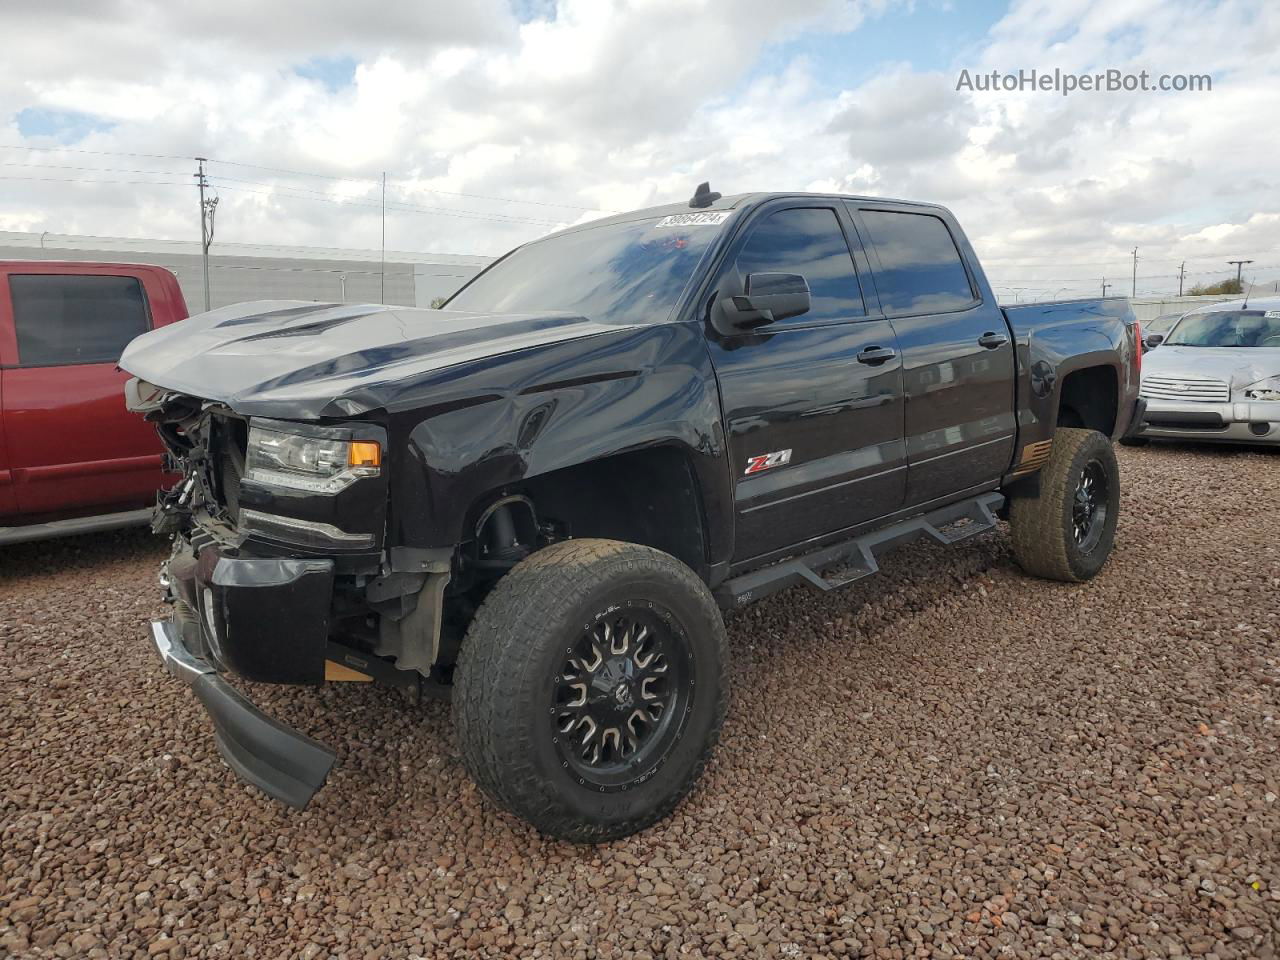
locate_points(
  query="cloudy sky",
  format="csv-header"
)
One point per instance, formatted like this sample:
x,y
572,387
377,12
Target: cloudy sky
x,y
498,120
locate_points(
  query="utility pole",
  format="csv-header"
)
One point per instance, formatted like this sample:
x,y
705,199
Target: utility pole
x,y
1239,265
1105,285
1135,272
384,236
207,211
1182,272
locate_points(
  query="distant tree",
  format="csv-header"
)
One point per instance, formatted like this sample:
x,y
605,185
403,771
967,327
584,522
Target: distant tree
x,y
1226,286
438,302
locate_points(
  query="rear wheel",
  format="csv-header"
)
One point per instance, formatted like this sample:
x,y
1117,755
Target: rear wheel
x,y
590,688
1066,531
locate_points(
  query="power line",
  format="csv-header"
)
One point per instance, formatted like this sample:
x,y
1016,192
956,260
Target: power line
x,y
277,192
373,180
392,188
279,249
1094,263
154,183
1152,276
296,173
58,166
96,153
394,205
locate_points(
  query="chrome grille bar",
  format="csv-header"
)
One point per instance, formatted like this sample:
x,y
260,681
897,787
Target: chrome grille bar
x,y
1202,390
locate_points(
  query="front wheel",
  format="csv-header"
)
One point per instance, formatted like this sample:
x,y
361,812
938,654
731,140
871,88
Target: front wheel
x,y
590,688
1067,530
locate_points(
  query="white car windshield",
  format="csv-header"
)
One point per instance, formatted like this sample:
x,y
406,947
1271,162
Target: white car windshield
x,y
1227,328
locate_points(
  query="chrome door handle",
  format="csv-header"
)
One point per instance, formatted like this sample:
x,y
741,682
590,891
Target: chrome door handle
x,y
874,355
991,340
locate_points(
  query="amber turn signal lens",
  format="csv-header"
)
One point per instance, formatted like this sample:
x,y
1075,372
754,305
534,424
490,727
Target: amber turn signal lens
x,y
364,453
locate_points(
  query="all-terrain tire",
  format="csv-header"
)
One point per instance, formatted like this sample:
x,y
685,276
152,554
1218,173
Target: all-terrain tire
x,y
513,661
1044,527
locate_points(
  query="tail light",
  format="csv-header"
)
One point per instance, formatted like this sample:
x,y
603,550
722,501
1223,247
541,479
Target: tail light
x,y
1137,346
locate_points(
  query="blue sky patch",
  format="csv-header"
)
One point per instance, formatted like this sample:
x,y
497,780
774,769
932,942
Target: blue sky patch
x,y
927,35
64,126
333,73
527,11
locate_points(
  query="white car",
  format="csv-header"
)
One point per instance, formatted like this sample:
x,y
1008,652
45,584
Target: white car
x,y
1215,376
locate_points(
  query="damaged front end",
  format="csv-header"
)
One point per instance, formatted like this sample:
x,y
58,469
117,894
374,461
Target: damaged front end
x,y
281,573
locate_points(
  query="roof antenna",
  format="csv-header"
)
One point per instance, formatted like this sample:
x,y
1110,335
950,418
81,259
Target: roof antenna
x,y
704,196
1249,294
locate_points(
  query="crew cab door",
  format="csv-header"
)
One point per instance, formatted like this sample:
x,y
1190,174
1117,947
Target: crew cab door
x,y
957,350
71,442
815,432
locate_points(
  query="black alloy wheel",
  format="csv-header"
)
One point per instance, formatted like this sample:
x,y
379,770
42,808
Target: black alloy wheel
x,y
621,697
1089,506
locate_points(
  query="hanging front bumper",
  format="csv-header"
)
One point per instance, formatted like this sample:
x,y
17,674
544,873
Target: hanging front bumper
x,y
280,761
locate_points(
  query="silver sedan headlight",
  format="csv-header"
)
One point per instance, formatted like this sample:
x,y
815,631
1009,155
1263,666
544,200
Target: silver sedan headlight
x,y
310,464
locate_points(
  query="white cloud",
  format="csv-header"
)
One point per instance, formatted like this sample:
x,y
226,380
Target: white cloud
x,y
615,105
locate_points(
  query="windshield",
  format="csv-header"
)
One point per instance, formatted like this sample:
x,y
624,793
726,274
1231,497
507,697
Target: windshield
x,y
1227,328
630,272
1161,324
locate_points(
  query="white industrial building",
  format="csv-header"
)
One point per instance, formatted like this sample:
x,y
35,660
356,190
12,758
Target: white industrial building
x,y
239,272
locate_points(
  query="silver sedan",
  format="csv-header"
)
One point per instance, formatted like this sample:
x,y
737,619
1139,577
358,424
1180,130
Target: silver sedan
x,y
1215,376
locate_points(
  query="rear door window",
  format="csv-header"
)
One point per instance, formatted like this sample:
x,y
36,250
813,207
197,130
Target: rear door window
x,y
920,267
807,241
70,319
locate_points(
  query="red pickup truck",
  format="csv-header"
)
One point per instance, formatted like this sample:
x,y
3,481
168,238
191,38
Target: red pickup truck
x,y
72,458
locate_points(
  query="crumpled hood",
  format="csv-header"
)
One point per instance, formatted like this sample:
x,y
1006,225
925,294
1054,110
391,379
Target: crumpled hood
x,y
322,359
1240,367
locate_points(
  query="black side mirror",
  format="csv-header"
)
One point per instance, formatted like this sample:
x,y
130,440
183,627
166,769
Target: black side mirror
x,y
769,297
1152,340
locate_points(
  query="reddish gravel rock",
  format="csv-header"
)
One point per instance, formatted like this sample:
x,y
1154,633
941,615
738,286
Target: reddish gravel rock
x,y
948,760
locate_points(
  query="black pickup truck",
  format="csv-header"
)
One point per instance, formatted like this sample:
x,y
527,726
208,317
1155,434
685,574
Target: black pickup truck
x,y
539,500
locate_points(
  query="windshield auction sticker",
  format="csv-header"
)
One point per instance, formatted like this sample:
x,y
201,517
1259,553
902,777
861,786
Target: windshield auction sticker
x,y
709,218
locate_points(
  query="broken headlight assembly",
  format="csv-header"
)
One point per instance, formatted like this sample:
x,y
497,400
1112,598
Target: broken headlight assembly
x,y
307,463
1264,390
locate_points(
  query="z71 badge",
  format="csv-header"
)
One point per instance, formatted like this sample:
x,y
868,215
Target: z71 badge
x,y
766,461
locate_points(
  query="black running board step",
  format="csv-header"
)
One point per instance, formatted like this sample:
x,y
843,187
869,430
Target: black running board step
x,y
856,558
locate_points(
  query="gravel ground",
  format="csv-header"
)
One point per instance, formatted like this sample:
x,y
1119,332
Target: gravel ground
x,y
950,759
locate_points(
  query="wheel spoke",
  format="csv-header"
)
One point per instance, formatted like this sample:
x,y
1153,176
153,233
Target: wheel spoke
x,y
581,701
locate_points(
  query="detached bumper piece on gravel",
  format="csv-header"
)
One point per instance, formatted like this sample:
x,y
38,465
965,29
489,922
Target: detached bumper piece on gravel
x,y
263,619
283,763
